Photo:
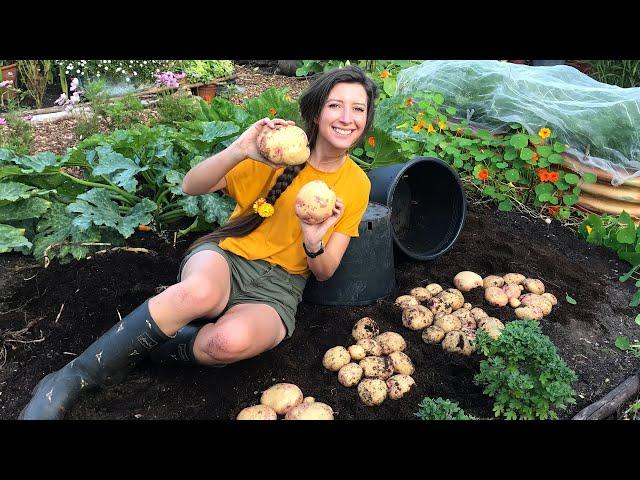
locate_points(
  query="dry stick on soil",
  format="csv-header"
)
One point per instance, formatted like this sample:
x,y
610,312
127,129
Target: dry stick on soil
x,y
65,242
59,313
8,337
611,402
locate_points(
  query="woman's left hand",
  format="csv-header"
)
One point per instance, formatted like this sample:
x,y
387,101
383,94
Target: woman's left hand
x,y
312,234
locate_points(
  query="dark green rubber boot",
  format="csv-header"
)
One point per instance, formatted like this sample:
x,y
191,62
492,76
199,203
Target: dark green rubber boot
x,y
178,350
105,362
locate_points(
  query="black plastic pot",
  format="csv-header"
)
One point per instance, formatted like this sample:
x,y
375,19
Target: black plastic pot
x,y
366,271
427,202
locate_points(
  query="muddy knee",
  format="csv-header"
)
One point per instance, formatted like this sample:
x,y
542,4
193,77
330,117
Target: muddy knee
x,y
224,343
197,293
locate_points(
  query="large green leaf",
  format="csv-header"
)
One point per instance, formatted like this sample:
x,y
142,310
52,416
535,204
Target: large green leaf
x,y
12,191
12,238
215,208
385,151
35,163
214,132
33,207
117,168
96,208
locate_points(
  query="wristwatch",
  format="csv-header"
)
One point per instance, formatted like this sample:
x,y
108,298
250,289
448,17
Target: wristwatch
x,y
313,254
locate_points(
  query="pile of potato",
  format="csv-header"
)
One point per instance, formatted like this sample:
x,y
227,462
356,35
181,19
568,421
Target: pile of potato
x,y
286,399
376,363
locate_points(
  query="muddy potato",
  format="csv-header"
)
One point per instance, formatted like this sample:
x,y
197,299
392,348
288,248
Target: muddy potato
x,y
281,397
257,412
391,342
308,400
457,342
372,391
516,278
371,346
492,326
514,302
439,306
356,352
377,367
469,332
458,298
532,299
478,313
448,323
310,411
534,285
433,334
530,312
350,374
449,299
399,385
417,317
421,294
467,306
512,290
492,281
404,301
466,281
335,358
365,328
496,296
401,363
434,288
466,319
551,297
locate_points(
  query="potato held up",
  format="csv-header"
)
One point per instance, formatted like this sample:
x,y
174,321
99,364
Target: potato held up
x,y
287,145
315,202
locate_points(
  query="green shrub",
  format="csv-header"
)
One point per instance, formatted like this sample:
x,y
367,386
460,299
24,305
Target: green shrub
x,y
177,107
623,73
524,372
17,134
124,112
441,409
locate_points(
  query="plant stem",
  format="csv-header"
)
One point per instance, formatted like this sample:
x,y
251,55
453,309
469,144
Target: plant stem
x,y
189,229
131,198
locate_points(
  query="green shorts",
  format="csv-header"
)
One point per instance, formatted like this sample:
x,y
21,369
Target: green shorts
x,y
258,281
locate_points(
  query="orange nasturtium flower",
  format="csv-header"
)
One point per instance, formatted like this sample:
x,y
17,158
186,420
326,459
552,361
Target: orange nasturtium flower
x,y
553,210
442,125
409,102
589,229
544,133
534,159
272,111
430,129
419,126
483,174
371,141
554,176
543,175
459,131
384,74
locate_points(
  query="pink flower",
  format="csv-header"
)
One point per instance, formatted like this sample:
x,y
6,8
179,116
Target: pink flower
x,y
6,84
61,99
74,84
75,98
28,117
2,121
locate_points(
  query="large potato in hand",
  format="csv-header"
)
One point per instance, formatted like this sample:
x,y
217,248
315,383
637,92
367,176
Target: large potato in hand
x,y
281,397
315,202
287,145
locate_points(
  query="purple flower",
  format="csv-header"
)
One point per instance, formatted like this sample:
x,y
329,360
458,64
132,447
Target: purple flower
x,y
3,121
28,117
61,99
74,84
75,98
6,84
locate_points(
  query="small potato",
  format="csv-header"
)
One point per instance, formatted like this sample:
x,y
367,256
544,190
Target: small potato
x,y
496,296
335,358
401,363
529,313
492,281
516,278
514,302
534,285
551,297
512,290
421,294
404,301
350,374
391,342
357,352
467,306
417,317
492,326
365,328
399,385
281,397
434,289
257,412
484,320
310,411
433,334
478,313
453,296
377,367
372,391
466,281
308,400
457,342
532,299
448,323
466,319
438,305
469,332
371,347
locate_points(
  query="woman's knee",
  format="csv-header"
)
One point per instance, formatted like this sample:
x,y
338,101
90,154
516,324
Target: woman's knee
x,y
226,342
199,293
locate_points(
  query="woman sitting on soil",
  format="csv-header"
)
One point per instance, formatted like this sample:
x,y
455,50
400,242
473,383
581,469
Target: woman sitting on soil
x,y
250,273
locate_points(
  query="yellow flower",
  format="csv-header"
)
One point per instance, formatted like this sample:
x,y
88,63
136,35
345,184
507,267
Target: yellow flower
x,y
442,125
544,133
384,74
265,210
589,229
430,129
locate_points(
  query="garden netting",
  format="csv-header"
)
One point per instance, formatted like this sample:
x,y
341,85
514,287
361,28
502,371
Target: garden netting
x,y
600,122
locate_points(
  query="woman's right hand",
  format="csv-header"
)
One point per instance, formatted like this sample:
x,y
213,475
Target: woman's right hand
x,y
247,143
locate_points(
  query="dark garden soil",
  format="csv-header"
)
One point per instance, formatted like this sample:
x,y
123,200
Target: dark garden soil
x,y
93,291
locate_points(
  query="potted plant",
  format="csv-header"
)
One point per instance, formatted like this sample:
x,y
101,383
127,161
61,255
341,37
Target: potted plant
x,y
205,73
9,72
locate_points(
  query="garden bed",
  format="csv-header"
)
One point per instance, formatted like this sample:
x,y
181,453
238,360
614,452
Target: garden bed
x,y
93,291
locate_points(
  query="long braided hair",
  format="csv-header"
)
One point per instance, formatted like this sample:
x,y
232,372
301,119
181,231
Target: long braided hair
x,y
311,105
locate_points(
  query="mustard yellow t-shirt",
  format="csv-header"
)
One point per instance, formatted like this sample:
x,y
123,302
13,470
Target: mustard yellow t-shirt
x,y
278,239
